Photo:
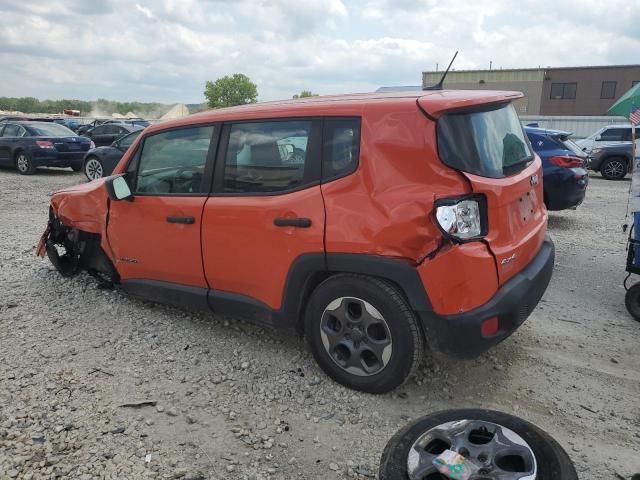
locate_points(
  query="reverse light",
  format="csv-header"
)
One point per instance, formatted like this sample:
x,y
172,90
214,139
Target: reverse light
x,y
462,218
567,161
45,144
92,145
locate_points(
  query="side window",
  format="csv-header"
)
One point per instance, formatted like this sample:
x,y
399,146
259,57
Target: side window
x,y
613,135
129,139
11,130
174,161
99,130
265,157
340,147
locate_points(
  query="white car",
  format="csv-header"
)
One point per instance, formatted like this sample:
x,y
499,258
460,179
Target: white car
x,y
607,135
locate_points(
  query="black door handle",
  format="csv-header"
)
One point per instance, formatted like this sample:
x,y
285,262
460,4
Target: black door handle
x,y
186,220
292,222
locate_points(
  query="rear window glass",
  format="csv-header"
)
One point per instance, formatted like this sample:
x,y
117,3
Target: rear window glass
x,y
489,143
52,130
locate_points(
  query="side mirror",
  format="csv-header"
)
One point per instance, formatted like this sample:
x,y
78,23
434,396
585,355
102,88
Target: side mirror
x,y
118,189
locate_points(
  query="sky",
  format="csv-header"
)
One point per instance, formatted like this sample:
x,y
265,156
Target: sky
x,y
165,50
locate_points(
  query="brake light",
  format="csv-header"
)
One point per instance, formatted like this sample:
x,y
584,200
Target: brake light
x,y
47,145
462,218
567,161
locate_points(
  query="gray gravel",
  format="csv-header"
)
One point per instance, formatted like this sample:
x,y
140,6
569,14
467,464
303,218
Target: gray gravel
x,y
230,400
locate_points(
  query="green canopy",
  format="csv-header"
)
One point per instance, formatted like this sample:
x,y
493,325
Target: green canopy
x,y
622,108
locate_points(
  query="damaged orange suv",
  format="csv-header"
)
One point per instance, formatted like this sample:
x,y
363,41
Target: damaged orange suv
x,y
375,224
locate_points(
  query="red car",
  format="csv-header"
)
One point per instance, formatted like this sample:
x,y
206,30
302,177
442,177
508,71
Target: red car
x,y
403,219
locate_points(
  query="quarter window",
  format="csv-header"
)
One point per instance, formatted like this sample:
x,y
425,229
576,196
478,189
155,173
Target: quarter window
x,y
608,90
563,91
174,161
341,147
264,157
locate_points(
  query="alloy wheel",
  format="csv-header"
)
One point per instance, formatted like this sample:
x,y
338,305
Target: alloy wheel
x,y
614,169
500,453
22,162
93,169
356,336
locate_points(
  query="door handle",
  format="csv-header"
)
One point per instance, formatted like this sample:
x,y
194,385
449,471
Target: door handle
x,y
292,222
185,220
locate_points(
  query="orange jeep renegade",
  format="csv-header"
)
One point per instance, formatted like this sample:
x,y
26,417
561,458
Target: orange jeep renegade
x,y
372,223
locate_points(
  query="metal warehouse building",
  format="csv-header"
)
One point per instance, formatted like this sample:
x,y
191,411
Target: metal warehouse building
x,y
550,91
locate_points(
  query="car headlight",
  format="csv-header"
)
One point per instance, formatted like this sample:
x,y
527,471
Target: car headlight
x,y
462,218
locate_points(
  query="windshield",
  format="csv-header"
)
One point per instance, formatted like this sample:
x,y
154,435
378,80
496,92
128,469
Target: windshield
x,y
51,130
489,143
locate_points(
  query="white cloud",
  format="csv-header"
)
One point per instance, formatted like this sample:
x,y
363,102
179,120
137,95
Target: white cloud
x,y
165,50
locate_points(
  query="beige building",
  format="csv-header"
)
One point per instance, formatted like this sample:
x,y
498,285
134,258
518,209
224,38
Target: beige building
x,y
550,91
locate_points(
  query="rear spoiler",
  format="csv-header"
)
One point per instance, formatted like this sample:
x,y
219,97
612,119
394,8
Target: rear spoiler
x,y
437,103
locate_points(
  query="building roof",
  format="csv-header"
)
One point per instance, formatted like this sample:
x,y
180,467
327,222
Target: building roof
x,y
483,70
399,88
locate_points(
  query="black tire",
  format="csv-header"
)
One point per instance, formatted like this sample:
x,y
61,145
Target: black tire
x,y
614,168
93,168
553,463
76,168
24,164
400,329
632,301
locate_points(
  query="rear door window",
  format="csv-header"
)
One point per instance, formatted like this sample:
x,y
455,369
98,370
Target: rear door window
x,y
489,143
267,157
10,130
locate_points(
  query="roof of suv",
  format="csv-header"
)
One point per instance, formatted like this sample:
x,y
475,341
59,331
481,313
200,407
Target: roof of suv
x,y
433,102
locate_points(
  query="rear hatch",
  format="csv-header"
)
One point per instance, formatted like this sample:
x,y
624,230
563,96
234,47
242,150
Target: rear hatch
x,y
486,143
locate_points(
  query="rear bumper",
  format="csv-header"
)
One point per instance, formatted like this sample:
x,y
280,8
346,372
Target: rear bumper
x,y
565,189
460,335
57,159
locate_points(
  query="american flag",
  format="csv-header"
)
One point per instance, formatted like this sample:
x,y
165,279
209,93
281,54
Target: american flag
x,y
635,115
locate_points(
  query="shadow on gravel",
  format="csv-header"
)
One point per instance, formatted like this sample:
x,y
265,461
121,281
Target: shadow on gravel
x,y
49,172
560,222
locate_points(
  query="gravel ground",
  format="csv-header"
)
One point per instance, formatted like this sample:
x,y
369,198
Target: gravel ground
x,y
231,400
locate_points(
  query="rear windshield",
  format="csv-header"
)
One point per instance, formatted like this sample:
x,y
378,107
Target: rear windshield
x,y
51,130
489,143
571,145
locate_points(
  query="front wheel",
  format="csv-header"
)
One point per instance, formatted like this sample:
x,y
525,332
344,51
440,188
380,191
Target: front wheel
x,y
614,168
363,333
24,165
93,168
632,301
494,445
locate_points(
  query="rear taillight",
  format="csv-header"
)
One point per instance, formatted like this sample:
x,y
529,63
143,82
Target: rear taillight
x,y
45,144
462,218
567,161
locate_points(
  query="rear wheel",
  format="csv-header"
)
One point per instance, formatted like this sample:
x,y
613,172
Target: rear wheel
x,y
93,168
24,165
614,168
632,301
363,333
501,446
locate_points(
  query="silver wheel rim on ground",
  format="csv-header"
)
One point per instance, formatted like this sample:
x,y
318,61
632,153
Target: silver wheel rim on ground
x,y
22,162
614,168
356,336
500,453
93,169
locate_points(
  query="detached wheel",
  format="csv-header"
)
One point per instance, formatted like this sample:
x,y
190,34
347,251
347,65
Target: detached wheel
x,y
93,168
632,301
614,168
503,446
363,333
24,165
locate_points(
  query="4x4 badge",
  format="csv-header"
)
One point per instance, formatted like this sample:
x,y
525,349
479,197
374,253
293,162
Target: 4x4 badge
x,y
534,180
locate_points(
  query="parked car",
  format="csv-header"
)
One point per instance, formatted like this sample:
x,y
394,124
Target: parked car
x,y
607,135
28,145
131,121
71,123
83,129
100,161
564,167
107,133
613,161
387,233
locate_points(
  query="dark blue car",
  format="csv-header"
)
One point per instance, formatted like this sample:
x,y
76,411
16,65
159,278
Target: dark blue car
x,y
28,145
563,165
100,161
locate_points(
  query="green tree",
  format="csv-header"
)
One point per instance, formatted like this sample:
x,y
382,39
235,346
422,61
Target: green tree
x,y
305,94
228,91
